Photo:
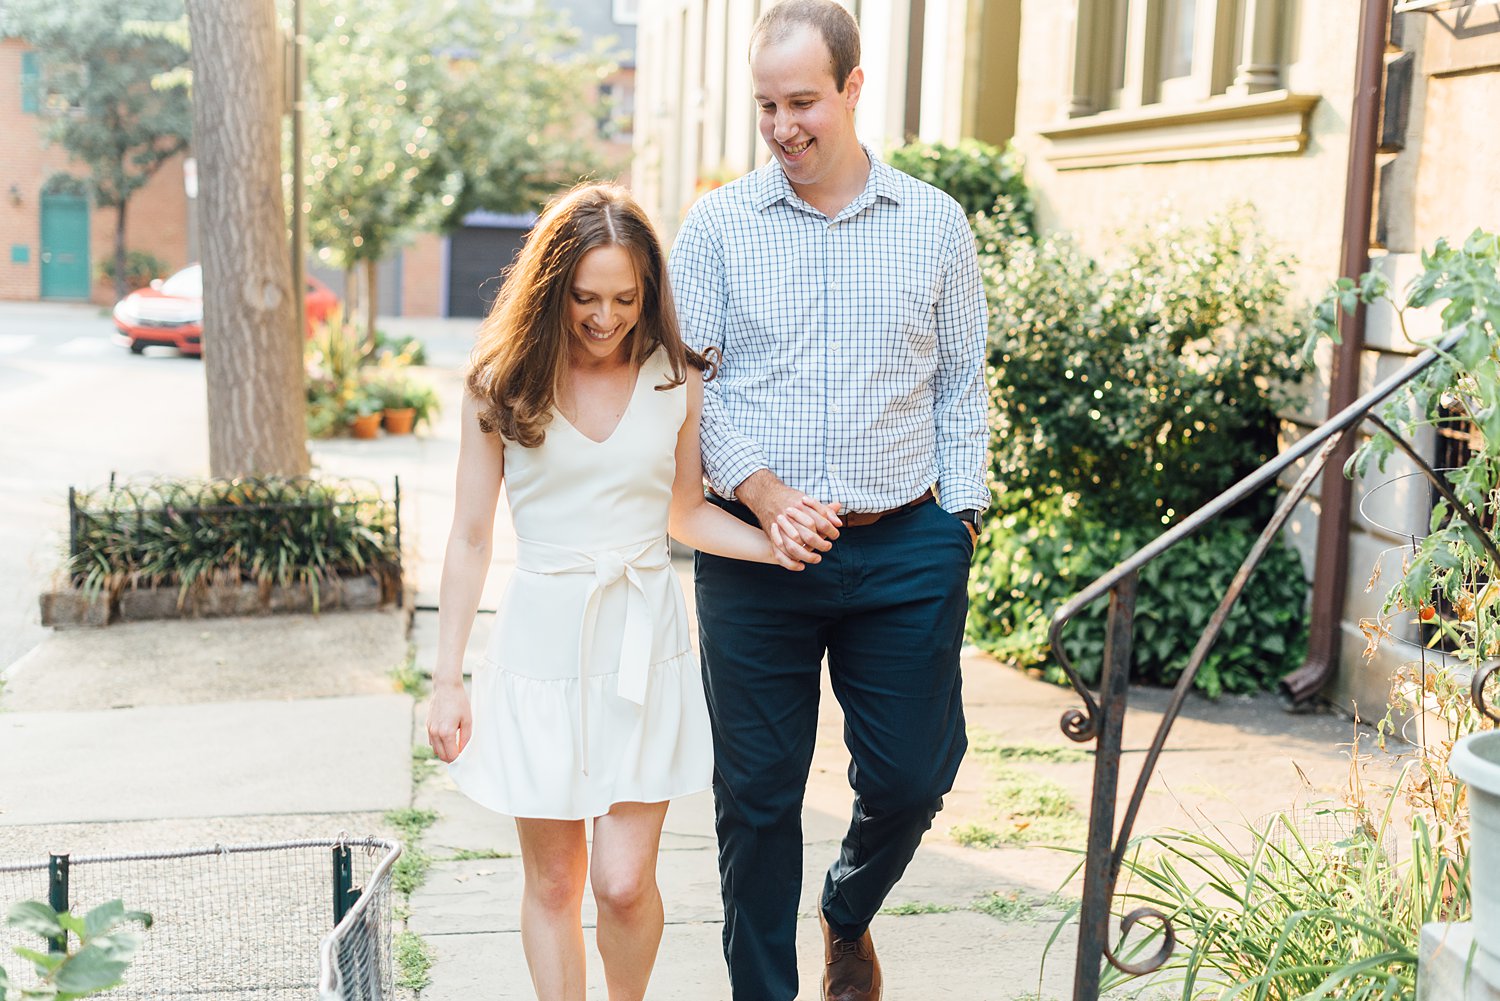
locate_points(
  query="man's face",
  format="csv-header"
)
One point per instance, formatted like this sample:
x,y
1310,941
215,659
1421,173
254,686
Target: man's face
x,y
804,118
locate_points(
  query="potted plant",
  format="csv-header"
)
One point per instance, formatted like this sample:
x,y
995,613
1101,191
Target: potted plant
x,y
365,413
405,402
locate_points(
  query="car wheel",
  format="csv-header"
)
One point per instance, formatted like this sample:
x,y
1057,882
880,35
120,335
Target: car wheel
x,y
137,347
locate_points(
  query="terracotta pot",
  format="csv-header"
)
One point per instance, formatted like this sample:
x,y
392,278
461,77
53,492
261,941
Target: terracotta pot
x,y
399,420
1476,760
365,426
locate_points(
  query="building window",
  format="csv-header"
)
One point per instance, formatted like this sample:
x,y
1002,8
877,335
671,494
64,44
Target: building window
x,y
627,11
31,82
1161,80
1137,53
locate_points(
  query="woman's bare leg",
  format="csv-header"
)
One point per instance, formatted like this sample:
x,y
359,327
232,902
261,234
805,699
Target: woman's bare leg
x,y
554,857
623,876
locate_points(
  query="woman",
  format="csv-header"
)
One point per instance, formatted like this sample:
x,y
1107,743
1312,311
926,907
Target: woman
x,y
582,398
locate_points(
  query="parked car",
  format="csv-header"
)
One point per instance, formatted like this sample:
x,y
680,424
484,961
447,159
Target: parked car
x,y
170,312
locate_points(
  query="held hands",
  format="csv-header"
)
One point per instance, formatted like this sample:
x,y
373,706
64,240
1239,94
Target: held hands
x,y
449,721
799,527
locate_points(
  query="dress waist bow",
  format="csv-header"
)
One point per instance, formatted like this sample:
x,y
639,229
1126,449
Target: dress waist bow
x,y
610,568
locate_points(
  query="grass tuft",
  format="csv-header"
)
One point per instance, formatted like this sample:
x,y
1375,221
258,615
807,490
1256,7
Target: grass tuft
x,y
413,961
916,907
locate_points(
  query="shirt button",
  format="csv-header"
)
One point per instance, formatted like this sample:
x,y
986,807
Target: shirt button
x,y
833,283
835,408
833,347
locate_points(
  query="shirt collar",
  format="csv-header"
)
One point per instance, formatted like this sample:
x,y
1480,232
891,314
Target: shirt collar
x,y
772,185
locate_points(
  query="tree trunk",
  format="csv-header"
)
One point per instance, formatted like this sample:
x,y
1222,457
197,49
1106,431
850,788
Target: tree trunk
x,y
252,339
372,305
351,300
122,287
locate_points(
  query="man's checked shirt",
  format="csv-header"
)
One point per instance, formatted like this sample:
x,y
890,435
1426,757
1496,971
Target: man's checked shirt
x,y
853,348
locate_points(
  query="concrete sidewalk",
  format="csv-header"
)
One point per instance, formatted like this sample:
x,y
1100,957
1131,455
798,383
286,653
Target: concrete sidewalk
x,y
180,734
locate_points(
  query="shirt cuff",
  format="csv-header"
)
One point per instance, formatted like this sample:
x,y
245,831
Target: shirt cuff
x,y
729,471
962,494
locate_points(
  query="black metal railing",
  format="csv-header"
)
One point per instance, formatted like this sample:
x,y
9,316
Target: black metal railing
x,y
1101,719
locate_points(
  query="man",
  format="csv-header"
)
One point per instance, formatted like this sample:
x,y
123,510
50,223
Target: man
x,y
846,301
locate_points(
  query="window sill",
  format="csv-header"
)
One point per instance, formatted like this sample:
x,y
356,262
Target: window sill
x,y
1229,125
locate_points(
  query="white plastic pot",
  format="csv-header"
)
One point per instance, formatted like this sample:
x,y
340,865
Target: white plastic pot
x,y
1476,760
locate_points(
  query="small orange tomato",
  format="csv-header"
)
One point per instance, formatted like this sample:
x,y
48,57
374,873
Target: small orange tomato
x,y
1427,613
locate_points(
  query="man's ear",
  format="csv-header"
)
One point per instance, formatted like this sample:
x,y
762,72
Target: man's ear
x,y
853,85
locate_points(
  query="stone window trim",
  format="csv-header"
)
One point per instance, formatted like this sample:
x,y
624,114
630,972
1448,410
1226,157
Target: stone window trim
x,y
1229,102
1228,125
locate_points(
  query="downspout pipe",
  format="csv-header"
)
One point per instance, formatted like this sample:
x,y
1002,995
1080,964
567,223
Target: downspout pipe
x,y
1331,569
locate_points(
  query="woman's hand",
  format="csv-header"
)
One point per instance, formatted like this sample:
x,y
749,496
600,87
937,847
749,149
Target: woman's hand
x,y
449,721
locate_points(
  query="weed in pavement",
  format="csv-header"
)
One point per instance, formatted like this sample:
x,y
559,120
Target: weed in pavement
x,y
470,855
409,678
916,907
413,961
423,763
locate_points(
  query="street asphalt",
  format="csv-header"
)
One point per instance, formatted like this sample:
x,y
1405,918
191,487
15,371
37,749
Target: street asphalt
x,y
178,734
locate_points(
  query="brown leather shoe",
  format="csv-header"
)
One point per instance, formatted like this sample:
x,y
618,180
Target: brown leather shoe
x,y
851,972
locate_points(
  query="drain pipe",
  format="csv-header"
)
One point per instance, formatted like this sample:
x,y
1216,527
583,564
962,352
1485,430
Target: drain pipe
x,y
1331,570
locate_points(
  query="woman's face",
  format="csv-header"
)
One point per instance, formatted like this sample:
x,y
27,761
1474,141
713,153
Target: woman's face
x,y
603,304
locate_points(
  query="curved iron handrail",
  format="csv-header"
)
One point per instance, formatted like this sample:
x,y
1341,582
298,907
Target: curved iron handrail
x,y
1101,719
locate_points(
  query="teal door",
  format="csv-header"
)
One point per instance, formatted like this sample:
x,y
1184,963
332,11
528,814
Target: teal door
x,y
65,247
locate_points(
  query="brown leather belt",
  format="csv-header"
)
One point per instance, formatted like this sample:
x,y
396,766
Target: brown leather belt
x,y
859,519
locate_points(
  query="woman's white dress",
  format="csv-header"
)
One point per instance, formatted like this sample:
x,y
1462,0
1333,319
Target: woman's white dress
x,y
588,694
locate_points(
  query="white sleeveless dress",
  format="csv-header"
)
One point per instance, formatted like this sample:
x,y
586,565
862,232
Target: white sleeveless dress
x,y
589,694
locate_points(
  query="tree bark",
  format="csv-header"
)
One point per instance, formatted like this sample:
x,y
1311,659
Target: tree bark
x,y
122,286
372,305
252,338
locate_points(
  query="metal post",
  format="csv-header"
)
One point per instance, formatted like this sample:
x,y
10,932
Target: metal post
x,y
57,896
1098,874
345,893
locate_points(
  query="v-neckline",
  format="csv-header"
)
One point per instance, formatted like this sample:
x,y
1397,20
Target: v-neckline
x,y
629,402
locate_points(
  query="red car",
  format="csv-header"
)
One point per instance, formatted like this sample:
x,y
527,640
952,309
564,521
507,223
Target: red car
x,y
171,312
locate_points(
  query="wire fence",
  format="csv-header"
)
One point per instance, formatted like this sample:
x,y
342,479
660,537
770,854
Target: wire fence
x,y
292,920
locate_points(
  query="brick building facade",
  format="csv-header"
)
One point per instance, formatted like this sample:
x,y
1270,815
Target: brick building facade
x,y
43,220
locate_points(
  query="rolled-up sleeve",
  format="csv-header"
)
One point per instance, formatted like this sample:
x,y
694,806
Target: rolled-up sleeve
x,y
962,399
700,290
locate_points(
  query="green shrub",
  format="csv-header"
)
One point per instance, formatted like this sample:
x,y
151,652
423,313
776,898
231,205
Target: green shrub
x,y
1124,395
272,531
140,269
1145,386
1032,560
975,173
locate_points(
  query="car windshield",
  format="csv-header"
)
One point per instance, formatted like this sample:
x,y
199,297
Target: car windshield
x,y
187,283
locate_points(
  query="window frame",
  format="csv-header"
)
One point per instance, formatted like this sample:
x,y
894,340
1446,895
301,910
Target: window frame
x,y
1230,103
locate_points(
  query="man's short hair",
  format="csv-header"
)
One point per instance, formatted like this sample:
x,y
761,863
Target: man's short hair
x,y
832,20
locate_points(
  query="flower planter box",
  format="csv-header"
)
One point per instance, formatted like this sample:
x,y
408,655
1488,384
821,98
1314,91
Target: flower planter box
x,y
69,609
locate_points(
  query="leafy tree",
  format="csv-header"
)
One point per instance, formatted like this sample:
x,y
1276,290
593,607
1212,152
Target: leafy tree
x,y
421,113
117,124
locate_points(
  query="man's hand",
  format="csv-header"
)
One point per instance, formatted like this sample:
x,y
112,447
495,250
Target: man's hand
x,y
799,527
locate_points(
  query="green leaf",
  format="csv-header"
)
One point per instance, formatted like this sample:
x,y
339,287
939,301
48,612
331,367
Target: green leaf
x,y
35,917
88,971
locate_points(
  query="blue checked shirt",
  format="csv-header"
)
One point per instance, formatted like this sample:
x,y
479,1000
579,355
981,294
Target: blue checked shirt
x,y
853,348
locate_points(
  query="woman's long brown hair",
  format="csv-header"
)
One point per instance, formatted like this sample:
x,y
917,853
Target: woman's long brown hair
x,y
522,344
